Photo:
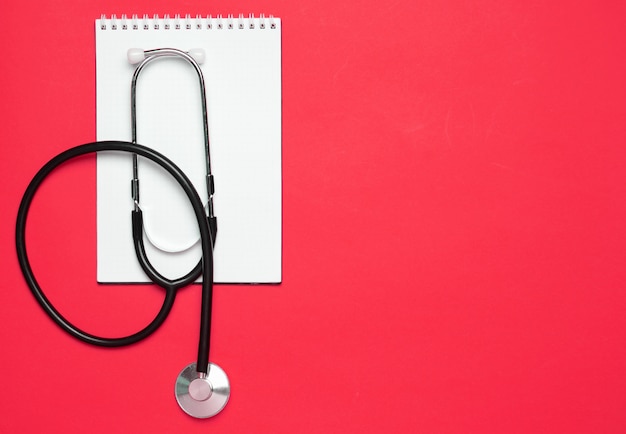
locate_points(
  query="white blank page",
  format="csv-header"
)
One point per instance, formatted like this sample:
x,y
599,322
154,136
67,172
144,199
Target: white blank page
x,y
242,72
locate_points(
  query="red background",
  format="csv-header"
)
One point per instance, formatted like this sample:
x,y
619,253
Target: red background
x,y
454,232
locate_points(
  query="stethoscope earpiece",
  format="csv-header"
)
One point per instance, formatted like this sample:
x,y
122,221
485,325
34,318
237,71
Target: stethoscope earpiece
x,y
202,395
135,55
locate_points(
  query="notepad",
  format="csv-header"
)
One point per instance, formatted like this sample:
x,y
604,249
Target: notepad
x,y
242,72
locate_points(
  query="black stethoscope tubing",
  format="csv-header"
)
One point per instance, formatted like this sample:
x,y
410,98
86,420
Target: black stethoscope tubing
x,y
170,286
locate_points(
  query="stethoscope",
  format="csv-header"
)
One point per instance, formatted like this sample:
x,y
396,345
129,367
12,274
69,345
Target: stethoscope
x,y
202,389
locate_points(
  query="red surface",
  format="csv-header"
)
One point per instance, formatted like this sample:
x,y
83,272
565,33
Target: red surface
x,y
454,234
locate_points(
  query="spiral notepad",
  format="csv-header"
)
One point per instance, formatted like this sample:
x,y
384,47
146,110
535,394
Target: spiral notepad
x,y
242,72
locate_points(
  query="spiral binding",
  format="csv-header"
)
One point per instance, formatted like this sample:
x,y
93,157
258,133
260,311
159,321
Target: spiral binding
x,y
187,22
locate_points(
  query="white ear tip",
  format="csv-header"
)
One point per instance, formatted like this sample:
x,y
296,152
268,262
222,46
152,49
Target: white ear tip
x,y
197,54
135,55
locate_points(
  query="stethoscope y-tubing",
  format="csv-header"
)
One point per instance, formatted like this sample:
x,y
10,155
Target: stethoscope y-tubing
x,y
170,290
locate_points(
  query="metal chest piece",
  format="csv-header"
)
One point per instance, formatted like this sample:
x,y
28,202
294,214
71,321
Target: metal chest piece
x,y
202,395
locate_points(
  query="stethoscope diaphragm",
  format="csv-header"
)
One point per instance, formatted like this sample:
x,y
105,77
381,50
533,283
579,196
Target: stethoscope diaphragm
x,y
200,395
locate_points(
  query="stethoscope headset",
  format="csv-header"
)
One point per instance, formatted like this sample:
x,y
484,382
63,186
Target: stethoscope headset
x,y
202,389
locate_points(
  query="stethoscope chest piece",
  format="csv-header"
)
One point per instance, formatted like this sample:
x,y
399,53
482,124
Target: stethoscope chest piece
x,y
201,395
